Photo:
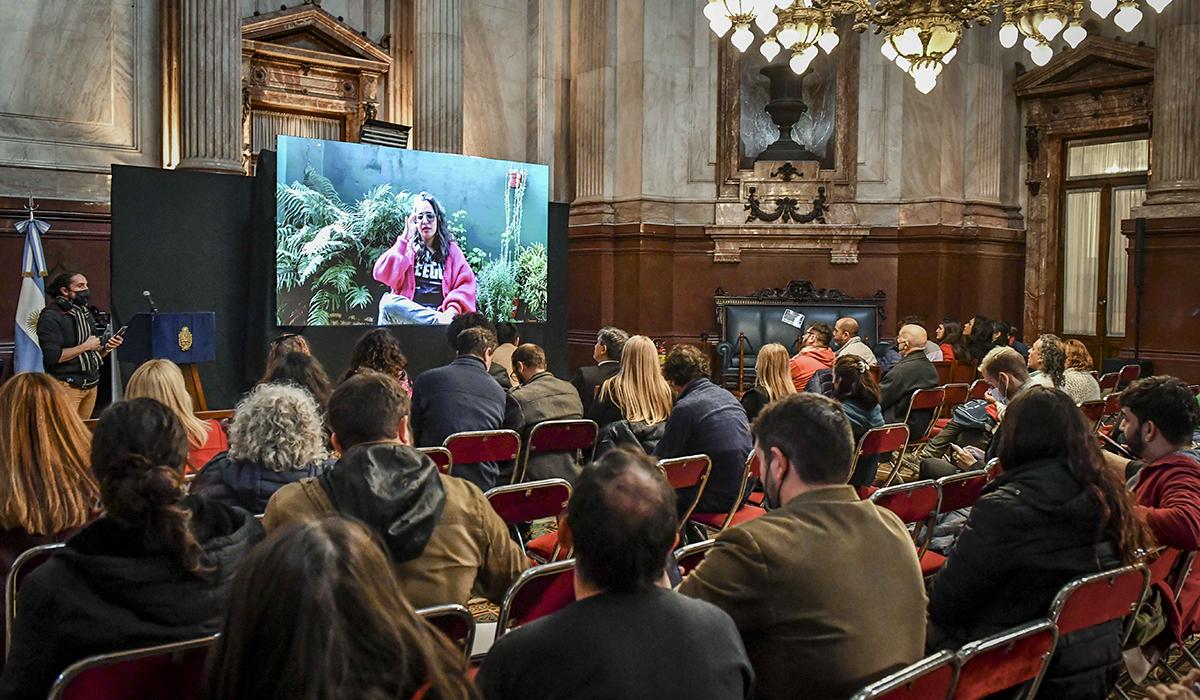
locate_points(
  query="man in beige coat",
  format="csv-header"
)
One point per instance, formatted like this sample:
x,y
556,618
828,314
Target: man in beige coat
x,y
442,534
825,589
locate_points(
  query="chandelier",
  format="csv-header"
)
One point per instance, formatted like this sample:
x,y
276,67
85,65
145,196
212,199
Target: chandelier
x,y
920,36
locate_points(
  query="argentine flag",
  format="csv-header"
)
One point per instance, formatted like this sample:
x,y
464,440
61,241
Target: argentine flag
x,y
27,353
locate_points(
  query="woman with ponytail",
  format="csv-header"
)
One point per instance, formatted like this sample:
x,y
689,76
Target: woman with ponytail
x,y
155,568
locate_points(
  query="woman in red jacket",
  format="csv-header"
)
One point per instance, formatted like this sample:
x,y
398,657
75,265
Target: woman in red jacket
x,y
429,277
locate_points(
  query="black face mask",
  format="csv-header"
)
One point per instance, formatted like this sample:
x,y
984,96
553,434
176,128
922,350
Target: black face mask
x,y
82,298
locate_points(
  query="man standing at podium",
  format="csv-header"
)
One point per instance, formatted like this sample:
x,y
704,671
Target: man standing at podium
x,y
71,349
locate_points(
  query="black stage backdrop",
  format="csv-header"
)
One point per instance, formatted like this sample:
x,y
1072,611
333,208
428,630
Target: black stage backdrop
x,y
206,242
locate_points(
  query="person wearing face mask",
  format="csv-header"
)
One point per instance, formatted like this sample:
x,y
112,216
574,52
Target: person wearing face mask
x,y
71,349
429,278
792,580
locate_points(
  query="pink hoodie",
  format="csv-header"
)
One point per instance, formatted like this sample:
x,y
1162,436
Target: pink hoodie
x,y
395,269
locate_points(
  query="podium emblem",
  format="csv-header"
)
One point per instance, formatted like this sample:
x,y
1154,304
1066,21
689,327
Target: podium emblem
x,y
185,339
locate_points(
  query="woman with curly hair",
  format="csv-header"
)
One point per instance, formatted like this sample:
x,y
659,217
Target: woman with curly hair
x,y
276,438
1077,379
1049,356
379,350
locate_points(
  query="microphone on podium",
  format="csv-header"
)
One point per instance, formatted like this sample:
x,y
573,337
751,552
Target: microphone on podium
x,y
150,301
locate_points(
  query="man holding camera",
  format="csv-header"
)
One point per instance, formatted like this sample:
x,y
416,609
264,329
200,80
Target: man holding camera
x,y
72,351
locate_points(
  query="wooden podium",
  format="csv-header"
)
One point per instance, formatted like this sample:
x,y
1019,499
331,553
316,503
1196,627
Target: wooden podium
x,y
187,339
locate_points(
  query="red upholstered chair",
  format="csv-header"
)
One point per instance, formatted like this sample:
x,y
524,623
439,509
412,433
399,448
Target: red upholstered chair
x,y
880,441
483,446
455,622
689,557
1108,382
1128,375
943,369
979,390
917,504
740,513
25,562
964,372
522,503
1098,598
1093,411
554,436
440,456
956,395
931,678
173,671
536,593
929,400
994,469
961,490
1006,660
686,473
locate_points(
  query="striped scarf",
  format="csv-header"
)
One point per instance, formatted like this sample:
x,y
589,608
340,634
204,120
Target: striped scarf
x,y
90,360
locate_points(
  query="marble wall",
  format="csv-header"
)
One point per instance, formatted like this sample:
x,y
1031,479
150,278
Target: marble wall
x,y
496,51
82,92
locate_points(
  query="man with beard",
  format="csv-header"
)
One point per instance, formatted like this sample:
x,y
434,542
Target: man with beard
x,y
67,334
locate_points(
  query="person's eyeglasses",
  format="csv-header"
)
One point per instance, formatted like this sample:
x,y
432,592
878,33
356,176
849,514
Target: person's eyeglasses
x,y
425,216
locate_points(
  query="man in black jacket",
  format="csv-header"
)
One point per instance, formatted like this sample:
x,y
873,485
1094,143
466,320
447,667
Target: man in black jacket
x,y
67,333
610,342
914,371
541,397
460,397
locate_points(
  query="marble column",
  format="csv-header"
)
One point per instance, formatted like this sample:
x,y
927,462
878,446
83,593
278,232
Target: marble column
x,y
210,73
1174,188
400,77
438,76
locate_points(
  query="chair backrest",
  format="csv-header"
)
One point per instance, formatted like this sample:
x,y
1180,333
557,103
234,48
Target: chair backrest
x,y
553,436
1093,411
1128,373
218,415
994,468
956,394
979,389
881,440
1098,598
25,562
521,503
686,473
751,471
916,503
943,370
961,490
1112,405
441,457
964,372
930,678
1109,381
173,670
483,446
537,592
690,556
1006,660
924,400
455,622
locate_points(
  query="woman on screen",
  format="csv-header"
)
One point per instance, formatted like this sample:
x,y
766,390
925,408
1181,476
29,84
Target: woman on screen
x,y
429,277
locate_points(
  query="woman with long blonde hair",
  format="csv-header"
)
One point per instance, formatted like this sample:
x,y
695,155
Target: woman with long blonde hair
x,y
637,392
162,380
47,490
772,379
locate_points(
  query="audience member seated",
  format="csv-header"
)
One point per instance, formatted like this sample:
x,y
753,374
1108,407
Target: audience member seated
x,y
281,345
706,420
306,372
892,356
815,355
316,612
47,490
631,407
858,393
1054,514
772,379
474,319
950,339
1079,372
460,397
155,568
1005,371
1047,361
610,342
626,635
978,333
825,588
914,371
845,334
276,438
1006,334
162,380
507,341
379,350
541,397
443,536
